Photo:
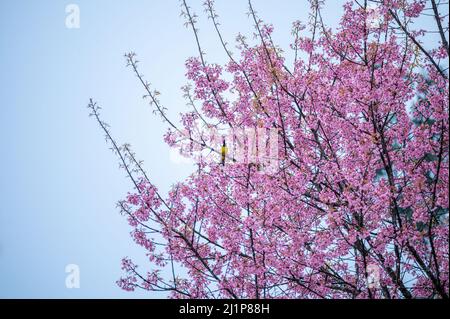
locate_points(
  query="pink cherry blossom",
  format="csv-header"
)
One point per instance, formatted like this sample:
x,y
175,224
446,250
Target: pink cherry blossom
x,y
357,206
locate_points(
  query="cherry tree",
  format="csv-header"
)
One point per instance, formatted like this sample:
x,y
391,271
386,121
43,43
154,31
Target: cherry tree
x,y
326,177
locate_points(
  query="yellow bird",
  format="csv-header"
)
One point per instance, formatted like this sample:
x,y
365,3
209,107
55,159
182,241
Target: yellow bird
x,y
224,152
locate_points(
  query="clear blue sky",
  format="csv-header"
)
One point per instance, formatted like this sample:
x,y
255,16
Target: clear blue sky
x,y
59,182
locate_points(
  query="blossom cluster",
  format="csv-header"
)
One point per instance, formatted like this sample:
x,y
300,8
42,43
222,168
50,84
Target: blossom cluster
x,y
357,204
